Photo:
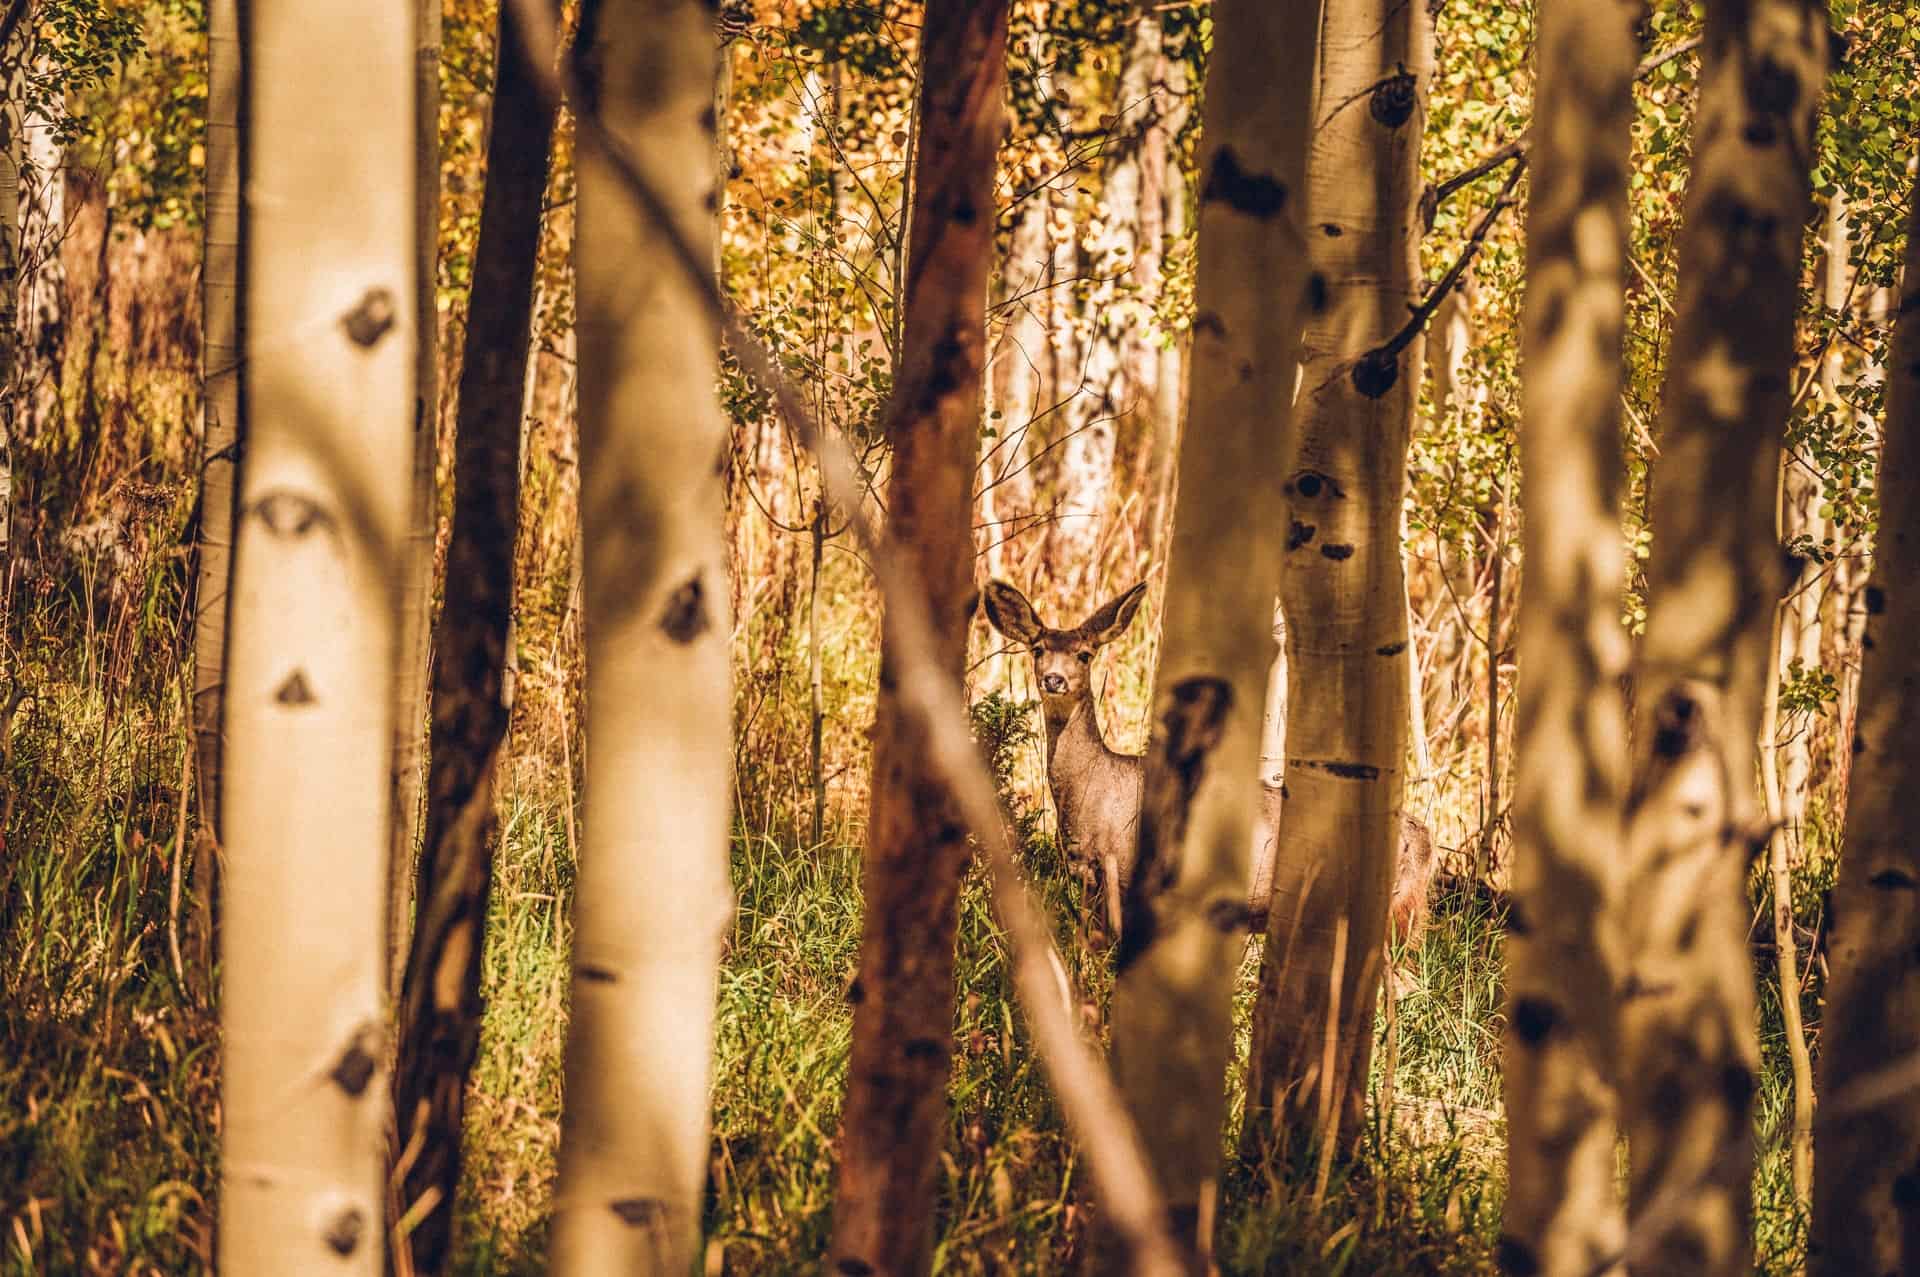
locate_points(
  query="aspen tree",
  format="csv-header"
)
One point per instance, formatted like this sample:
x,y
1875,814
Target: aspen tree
x,y
1867,1129
1184,924
895,1120
1563,1214
42,220
653,900
1687,1035
328,393
220,379
416,596
1343,588
12,155
1109,386
439,1019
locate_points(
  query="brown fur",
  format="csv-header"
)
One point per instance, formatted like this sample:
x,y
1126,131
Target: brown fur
x,y
1412,876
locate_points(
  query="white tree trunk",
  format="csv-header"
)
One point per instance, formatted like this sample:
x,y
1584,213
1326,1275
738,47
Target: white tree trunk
x,y
1273,774
1867,1129
219,303
1005,480
653,900
1563,1212
1186,901
1343,588
329,364
1687,1046
44,225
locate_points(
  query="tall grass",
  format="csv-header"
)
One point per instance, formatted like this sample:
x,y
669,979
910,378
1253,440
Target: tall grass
x,y
109,1129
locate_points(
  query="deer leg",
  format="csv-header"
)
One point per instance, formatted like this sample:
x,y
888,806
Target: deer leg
x,y
1111,863
1093,931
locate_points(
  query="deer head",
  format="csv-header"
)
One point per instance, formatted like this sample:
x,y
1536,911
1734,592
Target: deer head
x,y
1062,659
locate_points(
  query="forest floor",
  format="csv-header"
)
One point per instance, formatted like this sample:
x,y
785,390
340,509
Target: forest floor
x,y
109,1122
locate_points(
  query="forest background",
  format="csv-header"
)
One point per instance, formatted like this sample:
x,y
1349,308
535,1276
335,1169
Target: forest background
x,y
109,1038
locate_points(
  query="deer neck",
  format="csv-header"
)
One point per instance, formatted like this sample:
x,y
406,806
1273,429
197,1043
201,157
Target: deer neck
x,y
1073,733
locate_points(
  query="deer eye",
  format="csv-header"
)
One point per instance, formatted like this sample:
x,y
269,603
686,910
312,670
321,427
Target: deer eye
x,y
1084,656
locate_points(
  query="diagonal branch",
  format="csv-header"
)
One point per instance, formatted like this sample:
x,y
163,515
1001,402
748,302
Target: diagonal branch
x,y
1085,1088
1389,351
1516,151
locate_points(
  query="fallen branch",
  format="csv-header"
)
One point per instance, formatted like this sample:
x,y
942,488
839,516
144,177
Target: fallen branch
x,y
1086,1090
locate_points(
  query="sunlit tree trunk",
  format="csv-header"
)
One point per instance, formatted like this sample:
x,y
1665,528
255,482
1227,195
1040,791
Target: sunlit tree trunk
x,y
1563,1213
439,1019
1111,388
1343,589
219,353
1687,1048
416,596
1866,1214
12,155
1164,110
44,225
653,901
1265,846
1063,551
328,394
1006,480
895,1121
1170,378
1184,923
1803,527
1088,429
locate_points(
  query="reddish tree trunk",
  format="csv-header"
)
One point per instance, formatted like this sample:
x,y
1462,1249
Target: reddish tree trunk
x,y
896,1113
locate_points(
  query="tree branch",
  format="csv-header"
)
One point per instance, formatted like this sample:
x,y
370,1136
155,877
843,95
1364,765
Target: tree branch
x,y
1515,153
1516,150
1447,282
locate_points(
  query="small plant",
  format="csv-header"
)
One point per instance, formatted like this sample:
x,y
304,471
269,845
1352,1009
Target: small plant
x,y
1003,727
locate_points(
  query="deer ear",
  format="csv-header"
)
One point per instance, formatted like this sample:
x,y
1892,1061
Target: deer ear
x,y
1009,612
1109,622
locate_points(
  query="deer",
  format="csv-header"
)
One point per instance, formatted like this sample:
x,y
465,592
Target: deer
x,y
1096,788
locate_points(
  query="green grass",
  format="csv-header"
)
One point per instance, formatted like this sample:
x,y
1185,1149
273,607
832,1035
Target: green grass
x,y
109,1069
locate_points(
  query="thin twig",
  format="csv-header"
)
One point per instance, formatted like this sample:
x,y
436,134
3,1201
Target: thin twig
x,y
1086,1090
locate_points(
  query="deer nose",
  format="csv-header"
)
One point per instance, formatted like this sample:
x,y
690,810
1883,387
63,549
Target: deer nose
x,y
1053,684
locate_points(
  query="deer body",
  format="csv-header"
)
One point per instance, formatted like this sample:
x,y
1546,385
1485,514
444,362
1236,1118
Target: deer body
x,y
1096,788
1096,792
